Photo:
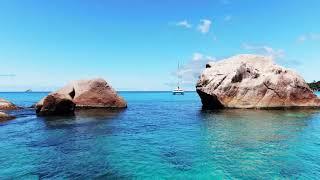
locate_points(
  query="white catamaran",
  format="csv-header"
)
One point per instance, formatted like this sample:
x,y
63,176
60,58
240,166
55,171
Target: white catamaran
x,y
178,90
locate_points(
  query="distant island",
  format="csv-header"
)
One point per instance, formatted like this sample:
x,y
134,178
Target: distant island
x,y
315,85
29,90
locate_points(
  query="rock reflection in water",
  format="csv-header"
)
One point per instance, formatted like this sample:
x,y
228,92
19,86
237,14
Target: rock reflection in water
x,y
82,116
257,140
99,113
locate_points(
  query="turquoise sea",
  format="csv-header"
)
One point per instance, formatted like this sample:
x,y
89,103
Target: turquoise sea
x,y
160,136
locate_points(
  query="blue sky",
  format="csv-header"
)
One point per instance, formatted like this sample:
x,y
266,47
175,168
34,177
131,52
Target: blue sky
x,y
136,44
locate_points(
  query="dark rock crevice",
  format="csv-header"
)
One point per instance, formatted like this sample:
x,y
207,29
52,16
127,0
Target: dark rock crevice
x,y
209,101
56,105
220,82
72,94
272,89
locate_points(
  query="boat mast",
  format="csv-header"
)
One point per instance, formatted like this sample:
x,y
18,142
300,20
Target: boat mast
x,y
178,75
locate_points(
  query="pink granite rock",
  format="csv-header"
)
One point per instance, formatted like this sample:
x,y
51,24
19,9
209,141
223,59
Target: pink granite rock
x,y
94,93
6,105
252,81
5,117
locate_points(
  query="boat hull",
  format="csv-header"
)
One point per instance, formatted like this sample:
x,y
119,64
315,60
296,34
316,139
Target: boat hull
x,y
177,93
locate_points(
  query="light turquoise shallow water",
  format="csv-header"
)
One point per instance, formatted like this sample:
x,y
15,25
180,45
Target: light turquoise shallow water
x,y
160,136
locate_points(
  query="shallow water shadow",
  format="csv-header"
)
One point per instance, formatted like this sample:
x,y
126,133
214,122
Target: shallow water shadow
x,y
57,121
15,114
98,113
179,160
112,174
257,138
243,128
271,122
27,176
81,117
259,113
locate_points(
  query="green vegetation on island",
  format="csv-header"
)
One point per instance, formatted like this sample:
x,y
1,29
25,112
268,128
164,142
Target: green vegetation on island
x,y
315,86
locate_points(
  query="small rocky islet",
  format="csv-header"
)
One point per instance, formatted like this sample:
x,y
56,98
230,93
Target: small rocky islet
x,y
253,82
81,94
5,117
6,106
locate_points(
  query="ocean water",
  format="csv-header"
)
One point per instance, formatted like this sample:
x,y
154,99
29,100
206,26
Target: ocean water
x,y
160,136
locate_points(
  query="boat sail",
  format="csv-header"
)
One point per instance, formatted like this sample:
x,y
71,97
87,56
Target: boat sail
x,y
178,90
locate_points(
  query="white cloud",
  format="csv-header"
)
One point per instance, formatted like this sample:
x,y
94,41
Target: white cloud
x,y
314,36
190,71
228,18
265,50
204,26
210,58
184,24
197,56
276,54
302,38
309,37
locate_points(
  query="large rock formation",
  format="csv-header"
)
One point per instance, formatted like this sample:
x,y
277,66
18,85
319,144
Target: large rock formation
x,y
5,117
6,105
94,93
251,81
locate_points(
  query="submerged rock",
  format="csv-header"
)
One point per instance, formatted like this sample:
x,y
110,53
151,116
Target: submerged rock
x,y
6,105
252,81
5,117
94,93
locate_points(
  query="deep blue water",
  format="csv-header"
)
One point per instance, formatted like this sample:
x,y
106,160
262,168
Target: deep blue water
x,y
160,136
